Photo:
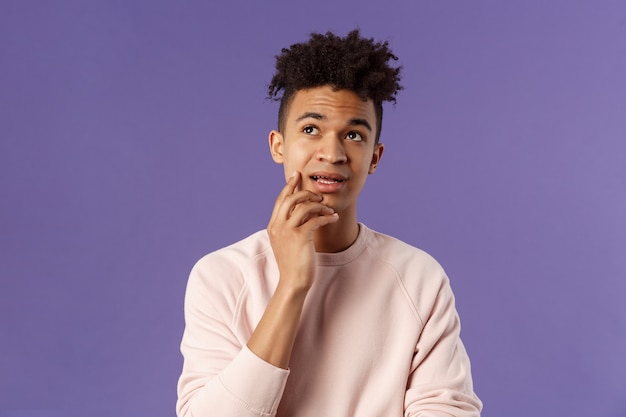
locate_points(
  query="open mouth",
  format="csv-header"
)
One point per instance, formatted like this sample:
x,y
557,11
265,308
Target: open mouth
x,y
325,180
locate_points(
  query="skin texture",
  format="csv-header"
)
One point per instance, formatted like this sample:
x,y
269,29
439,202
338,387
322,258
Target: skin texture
x,y
330,134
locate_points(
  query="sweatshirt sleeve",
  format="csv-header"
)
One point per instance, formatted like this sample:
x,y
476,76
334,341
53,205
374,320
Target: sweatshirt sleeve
x,y
440,382
221,376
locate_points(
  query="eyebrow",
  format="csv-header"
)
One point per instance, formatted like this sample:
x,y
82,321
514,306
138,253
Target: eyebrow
x,y
353,122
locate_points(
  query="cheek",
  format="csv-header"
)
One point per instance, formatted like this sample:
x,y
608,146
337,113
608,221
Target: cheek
x,y
296,157
364,161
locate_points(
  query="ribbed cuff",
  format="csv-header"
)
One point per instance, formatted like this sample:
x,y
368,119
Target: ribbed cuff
x,y
258,384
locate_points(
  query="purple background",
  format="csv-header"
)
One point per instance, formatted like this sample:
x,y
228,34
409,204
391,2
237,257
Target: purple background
x,y
133,141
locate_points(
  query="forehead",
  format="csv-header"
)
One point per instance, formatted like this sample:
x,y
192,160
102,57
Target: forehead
x,y
332,104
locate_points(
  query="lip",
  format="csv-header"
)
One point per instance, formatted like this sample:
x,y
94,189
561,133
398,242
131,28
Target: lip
x,y
327,182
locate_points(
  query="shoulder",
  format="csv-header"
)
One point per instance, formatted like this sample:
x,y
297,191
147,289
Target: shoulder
x,y
238,254
419,275
402,256
224,272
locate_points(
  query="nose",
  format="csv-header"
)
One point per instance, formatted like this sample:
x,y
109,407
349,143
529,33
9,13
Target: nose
x,y
331,150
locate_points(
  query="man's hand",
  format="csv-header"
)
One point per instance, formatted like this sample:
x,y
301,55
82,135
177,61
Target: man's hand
x,y
297,215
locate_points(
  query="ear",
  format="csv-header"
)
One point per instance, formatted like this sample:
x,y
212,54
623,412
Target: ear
x,y
378,153
276,142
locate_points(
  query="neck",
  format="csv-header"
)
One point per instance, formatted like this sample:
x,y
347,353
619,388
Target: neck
x,y
338,236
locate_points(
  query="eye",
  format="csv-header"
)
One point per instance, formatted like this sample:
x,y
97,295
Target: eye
x,y
310,130
354,136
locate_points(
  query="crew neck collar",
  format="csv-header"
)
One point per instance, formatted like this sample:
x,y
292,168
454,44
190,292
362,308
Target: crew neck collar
x,y
347,255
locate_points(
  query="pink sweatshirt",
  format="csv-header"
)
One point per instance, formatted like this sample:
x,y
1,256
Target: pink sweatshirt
x,y
379,336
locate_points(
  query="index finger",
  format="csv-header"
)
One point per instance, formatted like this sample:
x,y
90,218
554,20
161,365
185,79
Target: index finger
x,y
291,186
288,189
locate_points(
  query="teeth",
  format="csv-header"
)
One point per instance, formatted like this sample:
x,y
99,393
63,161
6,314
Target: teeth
x,y
325,180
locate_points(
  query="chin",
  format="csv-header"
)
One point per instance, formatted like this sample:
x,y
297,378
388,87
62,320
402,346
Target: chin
x,y
333,204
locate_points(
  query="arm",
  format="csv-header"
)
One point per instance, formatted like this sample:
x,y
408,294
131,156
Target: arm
x,y
221,377
440,383
297,215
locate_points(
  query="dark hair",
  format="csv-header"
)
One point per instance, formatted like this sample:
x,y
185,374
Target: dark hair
x,y
351,63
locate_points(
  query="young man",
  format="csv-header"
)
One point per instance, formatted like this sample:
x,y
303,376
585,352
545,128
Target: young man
x,y
318,315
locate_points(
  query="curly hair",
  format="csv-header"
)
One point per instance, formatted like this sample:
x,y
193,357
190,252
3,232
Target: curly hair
x,y
351,63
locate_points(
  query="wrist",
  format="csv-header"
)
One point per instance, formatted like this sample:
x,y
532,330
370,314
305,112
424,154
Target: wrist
x,y
291,290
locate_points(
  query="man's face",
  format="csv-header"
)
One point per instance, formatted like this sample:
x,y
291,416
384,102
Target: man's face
x,y
329,138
